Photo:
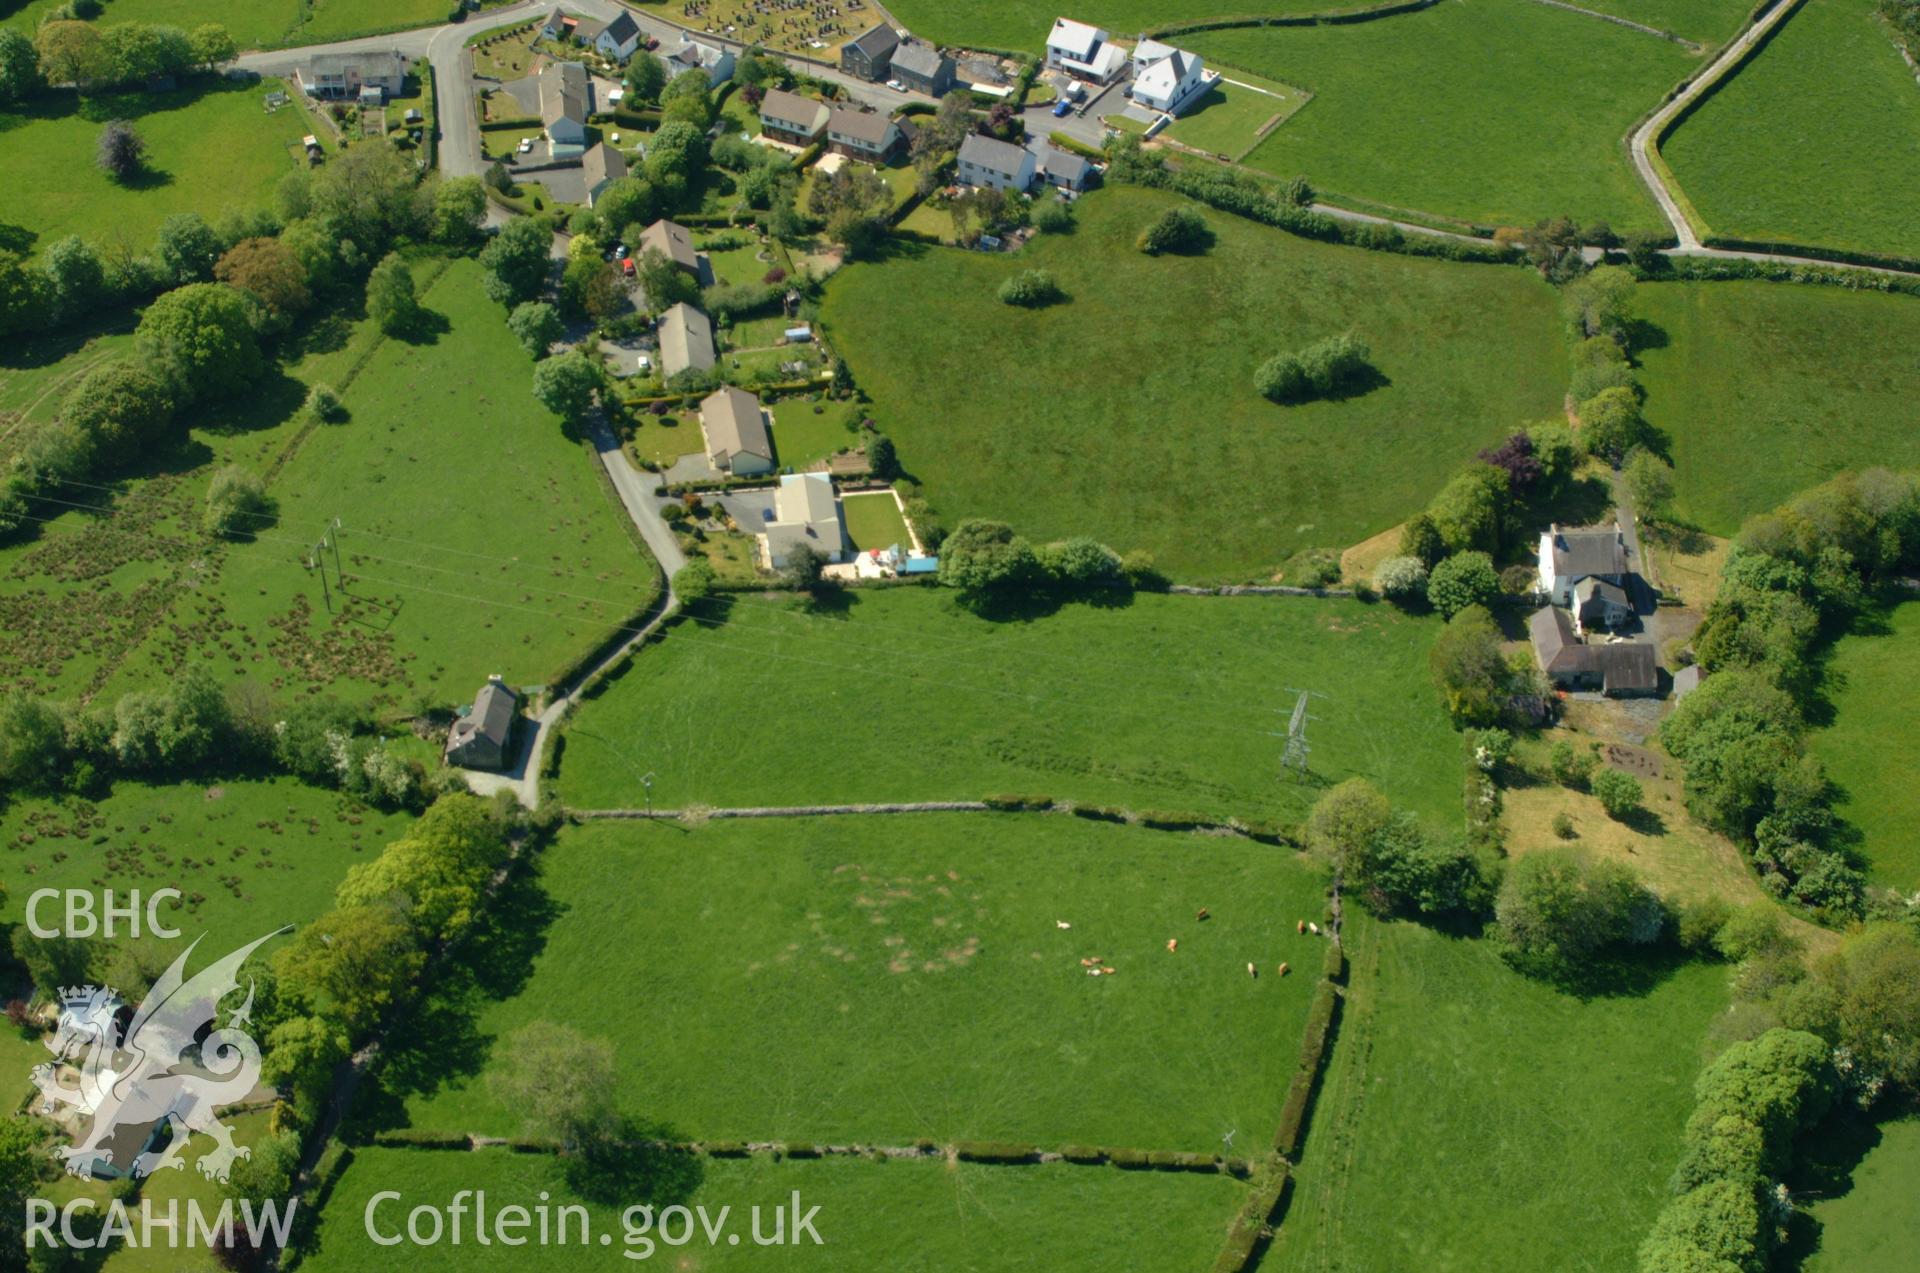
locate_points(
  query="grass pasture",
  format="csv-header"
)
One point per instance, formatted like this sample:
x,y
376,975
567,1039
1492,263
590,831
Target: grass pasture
x,y
1764,389
1869,681
913,1216
915,698
880,980
1456,1080
1188,460
1702,21
252,23
1815,140
211,148
1870,1225
1023,24
1500,112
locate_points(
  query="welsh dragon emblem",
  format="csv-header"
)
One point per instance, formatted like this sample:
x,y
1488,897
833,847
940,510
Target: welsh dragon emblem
x,y
170,1066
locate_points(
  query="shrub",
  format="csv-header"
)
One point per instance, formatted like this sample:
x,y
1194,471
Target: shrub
x,y
1563,827
237,503
1619,793
1462,580
1177,230
1401,579
1570,767
324,405
121,154
1030,289
1054,216
1327,367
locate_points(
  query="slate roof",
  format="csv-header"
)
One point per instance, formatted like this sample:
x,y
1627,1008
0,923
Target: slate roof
x,y
563,93
673,241
1622,666
686,339
1075,39
801,114
623,28
1591,587
918,59
1588,552
870,127
992,154
877,42
602,164
1067,166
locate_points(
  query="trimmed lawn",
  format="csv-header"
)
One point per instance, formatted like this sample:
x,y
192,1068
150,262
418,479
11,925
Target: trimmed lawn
x,y
1500,112
1815,140
1164,703
874,521
1228,119
906,1216
1764,389
800,437
1147,432
1023,24
1474,1119
1876,725
1872,1226
883,979
211,147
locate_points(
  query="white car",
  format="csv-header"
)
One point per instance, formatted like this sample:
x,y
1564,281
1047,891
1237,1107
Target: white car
x,y
896,86
526,144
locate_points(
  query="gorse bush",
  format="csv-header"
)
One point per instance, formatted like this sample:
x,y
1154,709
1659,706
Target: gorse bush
x,y
1176,230
1323,369
1030,289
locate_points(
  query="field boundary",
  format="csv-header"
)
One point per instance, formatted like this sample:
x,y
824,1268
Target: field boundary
x,y
1258,830
1328,17
1628,23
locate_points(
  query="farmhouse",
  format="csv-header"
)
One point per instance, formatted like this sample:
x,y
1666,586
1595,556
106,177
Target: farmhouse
x,y
602,166
1065,169
565,101
347,76
482,738
788,117
1618,669
805,511
686,340
988,161
1085,51
923,68
1597,603
869,56
859,134
736,432
673,241
1568,556
695,55
1170,83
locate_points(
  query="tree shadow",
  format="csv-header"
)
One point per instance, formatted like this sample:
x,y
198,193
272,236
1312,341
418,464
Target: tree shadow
x,y
1823,1165
1615,974
625,1170
425,327
1644,334
1644,821
145,178
269,401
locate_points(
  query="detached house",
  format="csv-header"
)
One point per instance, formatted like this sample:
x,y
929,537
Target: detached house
x,y
735,427
349,76
1084,51
1618,669
788,117
601,167
1569,556
1169,83
695,55
869,56
565,103
483,736
805,511
619,38
923,68
673,241
864,135
1065,169
988,161
686,340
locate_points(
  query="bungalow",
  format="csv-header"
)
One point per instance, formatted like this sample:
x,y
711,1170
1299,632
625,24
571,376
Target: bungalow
x,y
1085,51
483,736
988,161
1065,169
866,135
673,241
869,56
693,55
601,166
686,340
923,68
1568,556
735,427
619,38
1618,669
1171,83
565,102
788,117
805,511
345,76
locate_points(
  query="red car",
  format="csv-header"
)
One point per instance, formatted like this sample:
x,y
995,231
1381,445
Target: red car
x,y
626,267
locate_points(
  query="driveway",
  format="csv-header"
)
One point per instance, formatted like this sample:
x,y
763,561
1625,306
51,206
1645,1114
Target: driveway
x,y
751,510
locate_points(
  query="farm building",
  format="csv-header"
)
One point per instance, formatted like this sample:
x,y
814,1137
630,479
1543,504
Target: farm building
x,y
483,736
1618,669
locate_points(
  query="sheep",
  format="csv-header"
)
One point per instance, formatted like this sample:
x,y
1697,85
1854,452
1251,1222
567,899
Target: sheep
x,y
1061,923
1252,971
1313,928
1283,970
1173,943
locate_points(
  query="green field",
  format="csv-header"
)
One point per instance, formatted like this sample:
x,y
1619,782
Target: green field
x,y
1703,21
1474,1119
1876,721
1023,24
36,373
258,23
1765,389
1130,412
211,148
874,521
1500,112
883,979
1815,140
913,1217
905,695
1873,1226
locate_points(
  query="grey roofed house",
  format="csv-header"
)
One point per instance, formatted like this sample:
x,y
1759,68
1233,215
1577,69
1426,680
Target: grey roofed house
x,y
586,30
337,75
791,115
623,27
736,430
805,511
601,166
1618,669
1578,553
870,54
563,94
482,737
1064,168
870,128
922,59
673,241
686,339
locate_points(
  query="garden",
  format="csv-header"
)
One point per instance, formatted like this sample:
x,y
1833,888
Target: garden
x,y
1232,119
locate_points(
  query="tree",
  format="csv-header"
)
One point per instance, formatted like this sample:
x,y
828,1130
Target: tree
x,y
536,325
1401,579
69,52
675,151
1570,768
1321,370
120,153
1649,481
561,1082
459,207
983,557
1619,793
238,505
175,728
1611,424
134,52
1054,216
1558,907
32,742
76,280
354,963
439,869
1180,229
882,459
201,339
1470,511
1344,823
663,283
566,385
802,566
952,120
1598,303
687,97
1420,539
19,67
212,45
391,301
1030,289
22,1156
1865,998
270,272
695,581
122,410
592,288
646,77
517,260
303,1052
186,248
1462,580
1081,562
373,195
1469,670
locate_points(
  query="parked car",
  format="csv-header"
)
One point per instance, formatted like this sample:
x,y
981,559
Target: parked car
x,y
526,144
896,86
620,253
626,266
1061,107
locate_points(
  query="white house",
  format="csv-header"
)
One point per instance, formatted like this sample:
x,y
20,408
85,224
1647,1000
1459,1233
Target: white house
x,y
693,55
988,161
1569,556
1085,51
1170,83
565,103
805,511
619,38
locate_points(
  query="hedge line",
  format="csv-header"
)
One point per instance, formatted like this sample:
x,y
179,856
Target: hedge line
x,y
1332,17
1254,1224
1072,145
1313,1051
1707,269
506,125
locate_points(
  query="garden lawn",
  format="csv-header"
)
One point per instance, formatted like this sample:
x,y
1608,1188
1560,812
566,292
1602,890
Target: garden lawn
x,y
1474,1119
1228,118
910,1216
1501,112
874,521
881,980
1873,1226
1876,725
476,538
1137,421
800,437
1702,21
1816,140
187,1188
248,855
1764,389
1164,703
1024,24
211,148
